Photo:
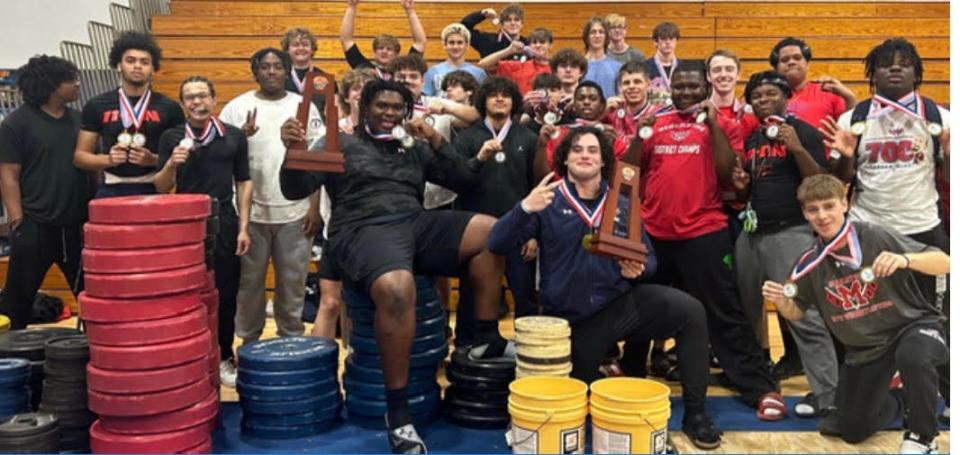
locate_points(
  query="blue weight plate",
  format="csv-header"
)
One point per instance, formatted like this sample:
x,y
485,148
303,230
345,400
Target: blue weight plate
x,y
359,306
284,377
424,327
365,315
376,391
375,375
288,353
305,418
13,396
365,345
14,382
252,430
421,359
418,404
9,409
258,392
13,367
312,404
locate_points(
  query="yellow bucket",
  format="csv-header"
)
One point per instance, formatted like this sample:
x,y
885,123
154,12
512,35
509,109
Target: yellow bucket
x,y
629,415
543,430
548,392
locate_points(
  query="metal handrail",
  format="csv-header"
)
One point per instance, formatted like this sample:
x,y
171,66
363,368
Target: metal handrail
x,y
101,39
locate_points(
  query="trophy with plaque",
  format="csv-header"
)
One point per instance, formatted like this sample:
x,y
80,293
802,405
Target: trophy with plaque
x,y
299,155
626,181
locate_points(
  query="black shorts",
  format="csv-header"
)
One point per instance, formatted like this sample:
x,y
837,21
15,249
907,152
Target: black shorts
x,y
426,242
328,268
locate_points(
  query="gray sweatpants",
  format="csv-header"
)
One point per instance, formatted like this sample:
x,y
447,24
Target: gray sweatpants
x,y
771,256
289,249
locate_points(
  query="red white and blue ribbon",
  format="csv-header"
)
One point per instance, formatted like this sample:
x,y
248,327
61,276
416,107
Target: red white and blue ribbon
x,y
134,115
592,219
209,133
645,110
812,258
663,73
774,119
296,79
909,104
420,106
502,135
383,137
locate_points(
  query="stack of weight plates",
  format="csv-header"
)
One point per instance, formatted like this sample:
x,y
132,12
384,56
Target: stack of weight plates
x,y
150,344
28,344
543,346
210,240
13,386
30,433
65,390
210,298
478,392
288,387
363,375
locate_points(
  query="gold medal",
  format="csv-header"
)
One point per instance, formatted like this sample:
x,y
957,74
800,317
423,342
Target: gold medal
x,y
934,129
589,240
124,139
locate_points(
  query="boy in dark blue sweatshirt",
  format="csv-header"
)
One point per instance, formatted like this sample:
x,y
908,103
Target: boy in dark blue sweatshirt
x,y
602,297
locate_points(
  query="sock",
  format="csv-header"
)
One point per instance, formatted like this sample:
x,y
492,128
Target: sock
x,y
488,333
398,412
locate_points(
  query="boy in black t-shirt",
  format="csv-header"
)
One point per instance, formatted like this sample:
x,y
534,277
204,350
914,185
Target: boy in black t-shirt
x,y
44,194
210,157
856,277
779,154
385,47
121,128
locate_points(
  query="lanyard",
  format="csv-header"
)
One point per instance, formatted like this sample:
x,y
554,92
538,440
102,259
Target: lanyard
x,y
591,219
134,115
847,233
210,132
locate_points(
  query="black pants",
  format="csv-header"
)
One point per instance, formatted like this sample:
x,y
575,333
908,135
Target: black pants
x,y
864,402
936,237
704,265
647,311
34,248
227,268
520,278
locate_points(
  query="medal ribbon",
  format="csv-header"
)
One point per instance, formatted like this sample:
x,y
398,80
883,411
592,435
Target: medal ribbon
x,y
847,233
909,104
591,219
503,35
296,79
774,119
502,135
134,115
419,106
663,73
382,137
644,110
210,131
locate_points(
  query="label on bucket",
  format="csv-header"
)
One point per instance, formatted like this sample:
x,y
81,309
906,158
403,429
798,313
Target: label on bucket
x,y
658,441
570,440
606,441
524,441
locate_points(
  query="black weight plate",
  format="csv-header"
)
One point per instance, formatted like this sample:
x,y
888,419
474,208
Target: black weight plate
x,y
466,419
311,404
424,327
72,347
287,392
280,377
377,391
71,419
418,404
288,353
377,423
475,407
73,371
493,370
29,424
483,395
28,343
305,418
250,429
13,368
474,382
365,345
65,393
375,374
46,443
14,382
431,357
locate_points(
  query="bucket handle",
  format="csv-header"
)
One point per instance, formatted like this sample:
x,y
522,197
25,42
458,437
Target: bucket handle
x,y
532,434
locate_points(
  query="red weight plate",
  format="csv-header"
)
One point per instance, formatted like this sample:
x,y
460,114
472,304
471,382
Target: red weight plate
x,y
211,300
126,286
213,323
129,310
213,359
147,332
150,357
199,413
205,447
102,441
134,237
147,209
211,283
143,260
123,405
146,381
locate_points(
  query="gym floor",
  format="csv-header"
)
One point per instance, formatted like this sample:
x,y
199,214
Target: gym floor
x,y
733,441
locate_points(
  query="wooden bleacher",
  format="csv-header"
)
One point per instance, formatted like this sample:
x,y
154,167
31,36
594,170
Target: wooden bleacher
x,y
215,38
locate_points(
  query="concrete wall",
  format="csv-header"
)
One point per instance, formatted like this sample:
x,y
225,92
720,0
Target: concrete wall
x,y
33,27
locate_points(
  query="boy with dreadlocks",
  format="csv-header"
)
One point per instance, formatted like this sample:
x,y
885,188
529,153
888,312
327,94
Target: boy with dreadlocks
x,y
44,194
891,147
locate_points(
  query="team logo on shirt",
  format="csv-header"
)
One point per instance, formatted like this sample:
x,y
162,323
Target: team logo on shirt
x,y
113,116
854,297
678,136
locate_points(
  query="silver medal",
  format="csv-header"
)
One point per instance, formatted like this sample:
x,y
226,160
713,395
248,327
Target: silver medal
x,y
667,101
407,142
772,131
747,109
858,128
835,154
646,132
523,59
429,120
934,129
495,21
186,143
599,127
139,140
550,118
867,275
701,117
621,113
124,139
500,157
790,289
555,134
398,132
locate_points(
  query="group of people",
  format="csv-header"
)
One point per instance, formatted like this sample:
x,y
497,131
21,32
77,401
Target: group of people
x,y
798,194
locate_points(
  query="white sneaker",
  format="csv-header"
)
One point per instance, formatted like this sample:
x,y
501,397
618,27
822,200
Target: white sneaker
x,y
228,373
911,444
270,308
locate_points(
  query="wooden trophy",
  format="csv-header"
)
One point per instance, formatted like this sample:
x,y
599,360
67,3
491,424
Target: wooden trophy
x,y
299,155
626,181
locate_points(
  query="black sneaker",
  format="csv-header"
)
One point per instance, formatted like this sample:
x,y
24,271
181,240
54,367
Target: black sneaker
x,y
787,367
701,431
913,443
830,423
659,363
406,440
